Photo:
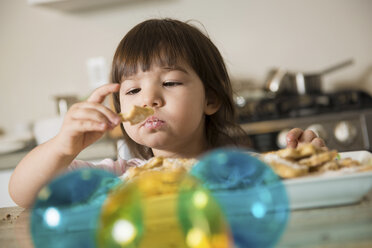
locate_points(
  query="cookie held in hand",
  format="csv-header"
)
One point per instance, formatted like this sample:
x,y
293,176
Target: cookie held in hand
x,y
136,114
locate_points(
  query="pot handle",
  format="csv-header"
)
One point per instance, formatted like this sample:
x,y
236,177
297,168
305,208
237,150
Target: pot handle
x,y
274,81
337,66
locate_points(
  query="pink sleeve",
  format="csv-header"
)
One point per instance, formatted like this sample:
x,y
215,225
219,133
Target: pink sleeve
x,y
117,167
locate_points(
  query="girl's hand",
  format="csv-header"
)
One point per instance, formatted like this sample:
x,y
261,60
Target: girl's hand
x,y
297,136
87,121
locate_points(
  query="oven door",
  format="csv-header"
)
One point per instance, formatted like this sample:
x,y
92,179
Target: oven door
x,y
344,131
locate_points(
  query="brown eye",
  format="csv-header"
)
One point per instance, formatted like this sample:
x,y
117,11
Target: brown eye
x,y
171,84
133,91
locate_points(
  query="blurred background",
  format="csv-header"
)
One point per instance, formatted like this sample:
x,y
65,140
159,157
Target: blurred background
x,y
54,48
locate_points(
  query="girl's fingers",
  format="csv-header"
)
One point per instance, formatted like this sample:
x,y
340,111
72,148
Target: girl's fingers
x,y
90,115
292,144
293,137
318,142
100,93
81,126
307,136
108,113
297,135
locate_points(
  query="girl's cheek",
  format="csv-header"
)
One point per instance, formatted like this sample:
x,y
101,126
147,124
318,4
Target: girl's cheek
x,y
126,128
124,105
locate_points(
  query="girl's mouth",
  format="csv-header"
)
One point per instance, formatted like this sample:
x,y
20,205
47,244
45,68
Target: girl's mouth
x,y
153,123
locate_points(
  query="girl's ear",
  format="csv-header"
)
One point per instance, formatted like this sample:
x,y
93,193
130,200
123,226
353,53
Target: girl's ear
x,y
212,105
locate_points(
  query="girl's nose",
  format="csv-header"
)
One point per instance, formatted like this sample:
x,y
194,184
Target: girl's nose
x,y
152,99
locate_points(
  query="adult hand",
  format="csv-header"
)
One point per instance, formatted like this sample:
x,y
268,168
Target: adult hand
x,y
86,122
297,136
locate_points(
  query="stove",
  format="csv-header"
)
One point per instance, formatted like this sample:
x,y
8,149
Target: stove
x,y
343,119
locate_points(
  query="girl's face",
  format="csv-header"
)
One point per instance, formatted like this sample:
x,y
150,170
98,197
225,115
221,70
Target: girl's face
x,y
178,98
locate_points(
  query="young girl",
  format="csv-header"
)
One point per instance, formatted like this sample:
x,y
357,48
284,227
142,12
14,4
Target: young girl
x,y
167,65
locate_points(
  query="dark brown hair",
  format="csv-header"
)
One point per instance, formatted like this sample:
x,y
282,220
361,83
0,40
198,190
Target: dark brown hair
x,y
165,42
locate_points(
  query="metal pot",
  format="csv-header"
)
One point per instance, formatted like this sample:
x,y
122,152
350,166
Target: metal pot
x,y
280,81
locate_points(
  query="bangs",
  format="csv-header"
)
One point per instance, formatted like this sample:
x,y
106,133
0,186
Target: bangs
x,y
155,43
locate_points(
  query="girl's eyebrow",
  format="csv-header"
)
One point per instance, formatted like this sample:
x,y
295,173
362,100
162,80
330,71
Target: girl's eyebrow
x,y
168,68
175,68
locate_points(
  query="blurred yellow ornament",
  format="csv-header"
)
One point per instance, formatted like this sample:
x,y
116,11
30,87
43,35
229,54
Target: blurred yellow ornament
x,y
162,209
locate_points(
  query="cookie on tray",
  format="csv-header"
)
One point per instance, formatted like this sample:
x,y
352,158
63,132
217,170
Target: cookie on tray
x,y
306,159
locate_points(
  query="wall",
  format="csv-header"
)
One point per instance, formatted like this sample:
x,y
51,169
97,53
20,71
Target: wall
x,y
43,51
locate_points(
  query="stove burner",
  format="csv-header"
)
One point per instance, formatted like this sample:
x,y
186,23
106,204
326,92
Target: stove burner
x,y
303,105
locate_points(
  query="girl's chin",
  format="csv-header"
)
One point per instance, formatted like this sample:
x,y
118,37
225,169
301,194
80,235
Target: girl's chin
x,y
160,143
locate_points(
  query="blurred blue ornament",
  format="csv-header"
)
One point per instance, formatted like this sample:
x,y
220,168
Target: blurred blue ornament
x,y
252,196
66,211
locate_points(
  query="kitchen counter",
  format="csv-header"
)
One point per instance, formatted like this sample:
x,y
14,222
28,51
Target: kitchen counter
x,y
342,226
104,148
